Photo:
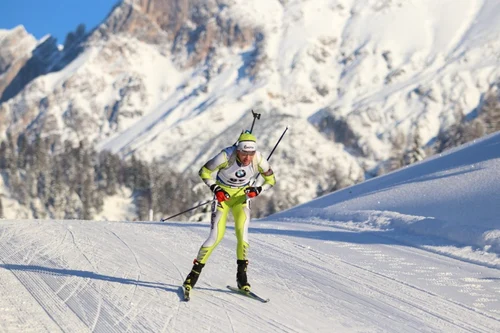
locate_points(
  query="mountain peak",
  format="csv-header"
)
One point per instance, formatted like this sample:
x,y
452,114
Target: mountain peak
x,y
17,29
190,27
16,46
15,36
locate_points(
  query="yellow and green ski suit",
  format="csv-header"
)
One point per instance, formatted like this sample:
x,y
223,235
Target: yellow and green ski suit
x,y
234,178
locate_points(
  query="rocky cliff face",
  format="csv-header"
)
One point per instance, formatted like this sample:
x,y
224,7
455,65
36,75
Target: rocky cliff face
x,y
43,57
15,50
189,29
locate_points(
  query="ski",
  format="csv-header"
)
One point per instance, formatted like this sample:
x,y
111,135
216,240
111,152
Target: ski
x,y
249,294
186,294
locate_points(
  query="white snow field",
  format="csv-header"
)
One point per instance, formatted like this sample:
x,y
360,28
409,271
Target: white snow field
x,y
412,251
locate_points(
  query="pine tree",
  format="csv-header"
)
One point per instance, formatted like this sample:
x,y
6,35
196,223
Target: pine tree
x,y
415,153
22,148
57,192
131,170
160,186
42,182
40,153
490,112
86,198
108,172
142,204
5,155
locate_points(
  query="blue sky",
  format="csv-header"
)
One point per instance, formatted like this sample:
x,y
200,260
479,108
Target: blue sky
x,y
54,17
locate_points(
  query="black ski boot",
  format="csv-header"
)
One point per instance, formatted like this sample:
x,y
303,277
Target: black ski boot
x,y
193,275
241,275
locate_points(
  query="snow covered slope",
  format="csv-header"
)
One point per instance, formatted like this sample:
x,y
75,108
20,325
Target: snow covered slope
x,y
453,196
353,261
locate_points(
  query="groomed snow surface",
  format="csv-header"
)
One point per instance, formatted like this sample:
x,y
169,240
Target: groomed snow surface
x,y
412,251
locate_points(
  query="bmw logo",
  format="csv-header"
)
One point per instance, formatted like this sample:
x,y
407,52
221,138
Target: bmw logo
x,y
241,173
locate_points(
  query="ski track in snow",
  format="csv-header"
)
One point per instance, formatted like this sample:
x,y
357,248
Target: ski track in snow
x,y
75,276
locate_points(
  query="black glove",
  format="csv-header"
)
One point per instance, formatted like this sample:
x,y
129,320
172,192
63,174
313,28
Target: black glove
x,y
252,192
219,192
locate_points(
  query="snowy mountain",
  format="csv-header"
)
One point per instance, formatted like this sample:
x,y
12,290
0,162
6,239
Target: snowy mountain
x,y
412,251
174,81
16,47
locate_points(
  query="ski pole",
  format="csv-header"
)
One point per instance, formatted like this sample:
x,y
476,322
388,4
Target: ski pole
x,y
272,151
255,116
187,210
277,143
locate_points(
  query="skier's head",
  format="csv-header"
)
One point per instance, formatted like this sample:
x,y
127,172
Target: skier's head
x,y
246,148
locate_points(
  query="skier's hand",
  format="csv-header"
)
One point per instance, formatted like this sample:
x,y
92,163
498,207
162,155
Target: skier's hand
x,y
219,192
252,192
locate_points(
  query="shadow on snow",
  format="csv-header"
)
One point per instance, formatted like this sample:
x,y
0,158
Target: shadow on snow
x,y
89,275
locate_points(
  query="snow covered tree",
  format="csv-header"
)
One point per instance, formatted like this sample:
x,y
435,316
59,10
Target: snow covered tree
x,y
71,182
415,153
109,172
460,133
22,147
57,192
40,152
5,155
86,197
490,112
